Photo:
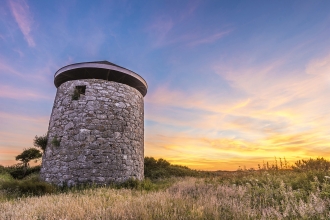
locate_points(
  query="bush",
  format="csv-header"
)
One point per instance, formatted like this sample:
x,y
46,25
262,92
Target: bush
x,y
2,169
27,187
156,169
145,184
17,171
130,184
319,164
5,177
41,142
56,142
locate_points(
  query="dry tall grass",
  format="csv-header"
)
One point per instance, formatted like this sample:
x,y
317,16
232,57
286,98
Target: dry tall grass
x,y
188,198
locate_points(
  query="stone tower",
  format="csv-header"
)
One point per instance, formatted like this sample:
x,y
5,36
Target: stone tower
x,y
96,129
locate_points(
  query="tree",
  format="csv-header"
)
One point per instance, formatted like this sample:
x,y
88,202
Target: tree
x,y
27,155
41,142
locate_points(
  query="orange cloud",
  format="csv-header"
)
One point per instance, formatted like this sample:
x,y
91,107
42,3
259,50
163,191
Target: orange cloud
x,y
229,154
278,115
17,133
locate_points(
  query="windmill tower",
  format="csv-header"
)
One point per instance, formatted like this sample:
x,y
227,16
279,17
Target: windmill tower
x,y
96,129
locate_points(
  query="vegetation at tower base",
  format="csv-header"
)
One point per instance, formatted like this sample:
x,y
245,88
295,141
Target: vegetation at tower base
x,y
245,194
15,184
155,169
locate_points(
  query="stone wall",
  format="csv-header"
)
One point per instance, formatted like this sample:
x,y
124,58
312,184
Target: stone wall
x,y
98,138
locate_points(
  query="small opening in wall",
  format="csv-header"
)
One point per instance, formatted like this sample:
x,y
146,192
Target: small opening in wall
x,y
81,89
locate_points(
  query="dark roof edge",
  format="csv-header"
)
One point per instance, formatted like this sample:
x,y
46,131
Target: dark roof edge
x,y
105,62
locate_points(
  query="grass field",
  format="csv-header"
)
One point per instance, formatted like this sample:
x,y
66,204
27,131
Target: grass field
x,y
262,194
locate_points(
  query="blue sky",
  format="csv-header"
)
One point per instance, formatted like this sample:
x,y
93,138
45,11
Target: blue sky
x,y
231,83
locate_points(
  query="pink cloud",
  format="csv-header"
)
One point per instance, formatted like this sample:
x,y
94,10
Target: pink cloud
x,y
8,69
319,67
21,54
295,99
12,118
167,100
22,15
40,74
20,93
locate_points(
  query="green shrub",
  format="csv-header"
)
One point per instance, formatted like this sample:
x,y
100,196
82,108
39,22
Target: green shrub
x,y
156,169
2,169
146,184
130,184
27,187
56,142
320,164
41,142
5,177
17,171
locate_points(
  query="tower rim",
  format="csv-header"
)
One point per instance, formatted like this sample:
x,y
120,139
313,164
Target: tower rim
x,y
100,70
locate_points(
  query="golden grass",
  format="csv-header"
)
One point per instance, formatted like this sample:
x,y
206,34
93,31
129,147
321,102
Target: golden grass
x,y
188,198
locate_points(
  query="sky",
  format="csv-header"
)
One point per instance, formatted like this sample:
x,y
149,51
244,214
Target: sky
x,y
231,84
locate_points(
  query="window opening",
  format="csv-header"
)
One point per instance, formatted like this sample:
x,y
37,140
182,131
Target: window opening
x,y
79,90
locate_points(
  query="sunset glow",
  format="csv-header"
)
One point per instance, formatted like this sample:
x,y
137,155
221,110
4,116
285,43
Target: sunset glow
x,y
231,83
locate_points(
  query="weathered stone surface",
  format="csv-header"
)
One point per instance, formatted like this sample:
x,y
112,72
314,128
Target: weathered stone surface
x,y
101,134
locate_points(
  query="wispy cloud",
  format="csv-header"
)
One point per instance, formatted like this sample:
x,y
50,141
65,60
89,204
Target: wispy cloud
x,y
21,12
37,74
159,30
21,54
190,9
320,67
20,93
7,69
166,29
209,39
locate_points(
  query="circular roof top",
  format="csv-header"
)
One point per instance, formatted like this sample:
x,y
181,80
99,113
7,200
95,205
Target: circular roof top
x,y
100,70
